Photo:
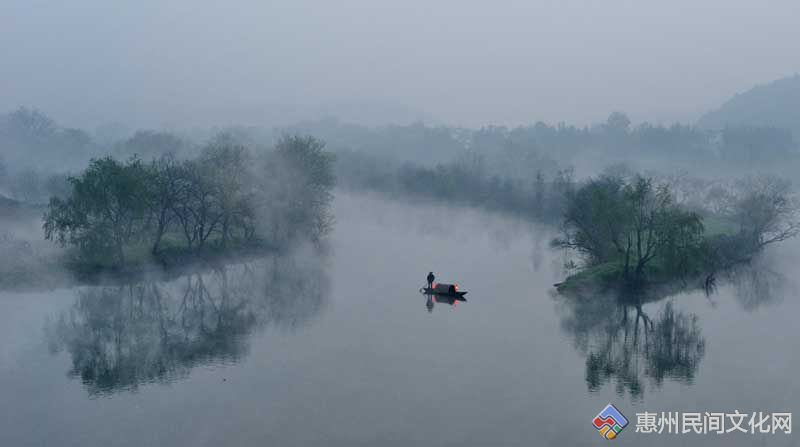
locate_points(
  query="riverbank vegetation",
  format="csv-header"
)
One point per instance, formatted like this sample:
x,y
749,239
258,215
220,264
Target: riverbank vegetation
x,y
39,154
632,231
120,214
120,199
469,180
520,151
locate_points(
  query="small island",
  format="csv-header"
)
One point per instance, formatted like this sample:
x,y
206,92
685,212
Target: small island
x,y
631,232
127,216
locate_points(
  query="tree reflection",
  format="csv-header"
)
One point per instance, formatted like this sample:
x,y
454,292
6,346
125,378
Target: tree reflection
x,y
759,283
624,344
121,336
629,339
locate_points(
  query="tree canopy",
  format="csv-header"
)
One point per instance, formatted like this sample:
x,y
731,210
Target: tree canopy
x,y
634,223
225,197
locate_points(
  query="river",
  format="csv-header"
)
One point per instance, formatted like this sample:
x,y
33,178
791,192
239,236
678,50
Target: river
x,y
342,349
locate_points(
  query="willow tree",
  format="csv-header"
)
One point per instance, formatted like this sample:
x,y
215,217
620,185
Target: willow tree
x,y
633,223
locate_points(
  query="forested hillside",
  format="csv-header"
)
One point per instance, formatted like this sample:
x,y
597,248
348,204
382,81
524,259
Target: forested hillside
x,y
776,104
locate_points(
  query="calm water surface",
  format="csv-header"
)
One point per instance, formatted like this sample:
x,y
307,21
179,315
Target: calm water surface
x,y
342,350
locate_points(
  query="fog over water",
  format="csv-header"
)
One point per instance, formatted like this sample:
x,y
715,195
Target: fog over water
x,y
217,221
342,350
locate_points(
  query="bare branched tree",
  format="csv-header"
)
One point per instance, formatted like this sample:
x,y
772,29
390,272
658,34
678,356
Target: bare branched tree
x,y
765,211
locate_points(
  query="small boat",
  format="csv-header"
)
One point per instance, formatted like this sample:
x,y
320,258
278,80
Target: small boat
x,y
444,289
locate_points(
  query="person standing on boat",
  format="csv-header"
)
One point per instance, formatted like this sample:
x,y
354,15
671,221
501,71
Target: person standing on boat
x,y
431,279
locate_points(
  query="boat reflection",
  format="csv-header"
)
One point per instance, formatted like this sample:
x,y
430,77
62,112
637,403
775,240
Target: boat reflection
x,y
122,336
432,299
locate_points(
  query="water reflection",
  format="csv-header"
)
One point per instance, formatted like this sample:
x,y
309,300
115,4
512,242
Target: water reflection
x,y
627,345
759,283
630,346
119,337
452,300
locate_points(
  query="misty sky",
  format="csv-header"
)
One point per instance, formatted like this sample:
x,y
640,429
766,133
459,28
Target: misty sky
x,y
189,62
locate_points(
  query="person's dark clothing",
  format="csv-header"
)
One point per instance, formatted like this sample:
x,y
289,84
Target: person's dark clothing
x,y
431,279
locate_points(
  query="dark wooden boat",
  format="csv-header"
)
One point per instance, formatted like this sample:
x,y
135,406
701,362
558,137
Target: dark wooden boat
x,y
444,289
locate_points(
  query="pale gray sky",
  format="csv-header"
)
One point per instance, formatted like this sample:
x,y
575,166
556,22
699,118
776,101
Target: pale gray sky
x,y
190,62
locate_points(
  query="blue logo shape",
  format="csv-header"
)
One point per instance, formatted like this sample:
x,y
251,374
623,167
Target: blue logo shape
x,y
610,422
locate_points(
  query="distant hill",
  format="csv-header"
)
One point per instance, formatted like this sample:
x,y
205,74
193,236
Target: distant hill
x,y
776,104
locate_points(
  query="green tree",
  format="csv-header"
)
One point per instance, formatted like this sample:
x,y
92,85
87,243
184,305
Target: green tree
x,y
214,195
105,211
166,189
230,177
631,222
294,189
655,223
595,219
197,209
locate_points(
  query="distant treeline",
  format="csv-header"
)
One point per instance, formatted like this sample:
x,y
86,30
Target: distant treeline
x,y
36,154
466,181
119,212
516,151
